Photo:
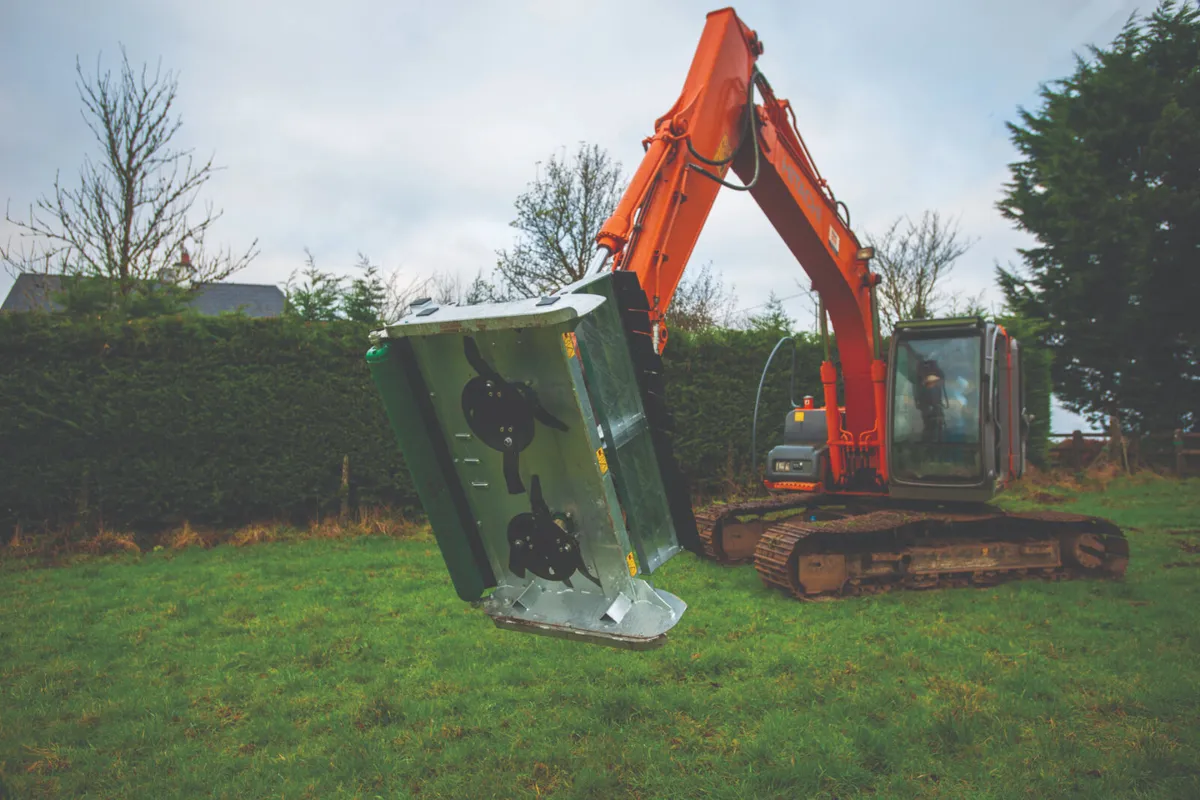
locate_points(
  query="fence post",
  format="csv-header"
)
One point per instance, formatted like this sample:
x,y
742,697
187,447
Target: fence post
x,y
1116,443
1076,449
83,516
345,489
1179,459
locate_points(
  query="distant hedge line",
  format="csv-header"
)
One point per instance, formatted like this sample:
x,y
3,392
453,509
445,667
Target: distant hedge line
x,y
209,419
222,420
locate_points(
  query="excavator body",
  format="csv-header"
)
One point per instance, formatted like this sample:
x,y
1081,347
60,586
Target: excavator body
x,y
954,415
957,433
537,432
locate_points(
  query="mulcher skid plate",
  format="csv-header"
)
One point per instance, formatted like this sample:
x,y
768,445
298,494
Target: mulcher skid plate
x,y
813,551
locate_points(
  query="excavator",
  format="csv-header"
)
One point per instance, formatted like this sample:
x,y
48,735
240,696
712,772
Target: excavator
x,y
538,437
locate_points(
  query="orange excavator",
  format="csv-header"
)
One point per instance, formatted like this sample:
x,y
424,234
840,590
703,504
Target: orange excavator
x,y
538,438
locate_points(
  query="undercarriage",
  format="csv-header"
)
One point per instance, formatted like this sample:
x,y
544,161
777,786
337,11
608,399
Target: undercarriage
x,y
818,546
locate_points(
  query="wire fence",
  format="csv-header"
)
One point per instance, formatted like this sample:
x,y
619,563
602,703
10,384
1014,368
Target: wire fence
x,y
1174,450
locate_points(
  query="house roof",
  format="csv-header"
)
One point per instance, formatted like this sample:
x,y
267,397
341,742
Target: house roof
x,y
32,292
254,299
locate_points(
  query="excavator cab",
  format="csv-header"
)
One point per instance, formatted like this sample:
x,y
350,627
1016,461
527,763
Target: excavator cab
x,y
957,428
956,424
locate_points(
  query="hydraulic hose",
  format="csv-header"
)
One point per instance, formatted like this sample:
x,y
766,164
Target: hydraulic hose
x,y
751,129
758,394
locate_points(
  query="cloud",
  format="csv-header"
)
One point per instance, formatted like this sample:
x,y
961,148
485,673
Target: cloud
x,y
405,130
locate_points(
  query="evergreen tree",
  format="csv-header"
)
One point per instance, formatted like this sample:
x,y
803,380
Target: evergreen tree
x,y
314,296
1109,184
366,297
772,319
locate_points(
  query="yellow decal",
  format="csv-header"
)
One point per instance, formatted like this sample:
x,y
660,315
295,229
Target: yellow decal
x,y
601,460
629,559
799,416
723,149
569,344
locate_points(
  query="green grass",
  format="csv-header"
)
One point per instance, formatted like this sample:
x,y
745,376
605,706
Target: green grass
x,y
348,668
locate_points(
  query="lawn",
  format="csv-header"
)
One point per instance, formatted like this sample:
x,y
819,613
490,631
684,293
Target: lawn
x,y
326,668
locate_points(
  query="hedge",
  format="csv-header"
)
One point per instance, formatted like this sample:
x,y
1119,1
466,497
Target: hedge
x,y
224,420
211,419
712,378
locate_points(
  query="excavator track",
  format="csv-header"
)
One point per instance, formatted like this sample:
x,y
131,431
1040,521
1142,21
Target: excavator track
x,y
882,550
726,534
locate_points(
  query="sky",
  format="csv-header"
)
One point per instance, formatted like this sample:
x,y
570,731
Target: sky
x,y
405,130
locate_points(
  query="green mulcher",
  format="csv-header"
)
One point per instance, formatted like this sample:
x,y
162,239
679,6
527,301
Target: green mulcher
x,y
535,432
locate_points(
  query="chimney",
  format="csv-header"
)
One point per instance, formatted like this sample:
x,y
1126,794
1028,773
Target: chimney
x,y
178,272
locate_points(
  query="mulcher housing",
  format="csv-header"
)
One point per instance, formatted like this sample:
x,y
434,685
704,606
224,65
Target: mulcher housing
x,y
535,432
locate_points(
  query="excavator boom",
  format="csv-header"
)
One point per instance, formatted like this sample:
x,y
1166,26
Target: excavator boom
x,y
714,126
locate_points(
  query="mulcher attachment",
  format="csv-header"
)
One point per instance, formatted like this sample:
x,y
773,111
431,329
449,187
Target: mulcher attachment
x,y
535,433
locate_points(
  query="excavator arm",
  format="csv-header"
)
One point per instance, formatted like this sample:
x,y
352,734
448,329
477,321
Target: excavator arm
x,y
714,126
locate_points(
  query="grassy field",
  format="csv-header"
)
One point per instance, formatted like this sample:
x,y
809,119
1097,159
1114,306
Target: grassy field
x,y
328,668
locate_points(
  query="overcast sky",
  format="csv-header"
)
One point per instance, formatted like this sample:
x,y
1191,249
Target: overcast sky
x,y
405,130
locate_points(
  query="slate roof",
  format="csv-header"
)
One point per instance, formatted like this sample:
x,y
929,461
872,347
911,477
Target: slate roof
x,y
254,299
32,292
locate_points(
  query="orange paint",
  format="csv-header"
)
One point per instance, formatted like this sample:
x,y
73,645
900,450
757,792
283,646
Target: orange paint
x,y
659,218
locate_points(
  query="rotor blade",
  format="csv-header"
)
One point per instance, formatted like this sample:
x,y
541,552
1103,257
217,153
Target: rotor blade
x,y
512,472
536,501
475,359
584,571
540,414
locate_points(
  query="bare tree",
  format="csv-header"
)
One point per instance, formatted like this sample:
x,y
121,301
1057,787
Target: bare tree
x,y
969,305
446,289
914,259
701,301
558,217
133,209
399,292
483,290
813,302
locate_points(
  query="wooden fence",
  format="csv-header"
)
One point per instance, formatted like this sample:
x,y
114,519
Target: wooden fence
x,y
1175,450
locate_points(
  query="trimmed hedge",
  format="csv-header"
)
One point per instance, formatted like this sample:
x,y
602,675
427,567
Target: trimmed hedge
x,y
223,420
211,419
712,378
